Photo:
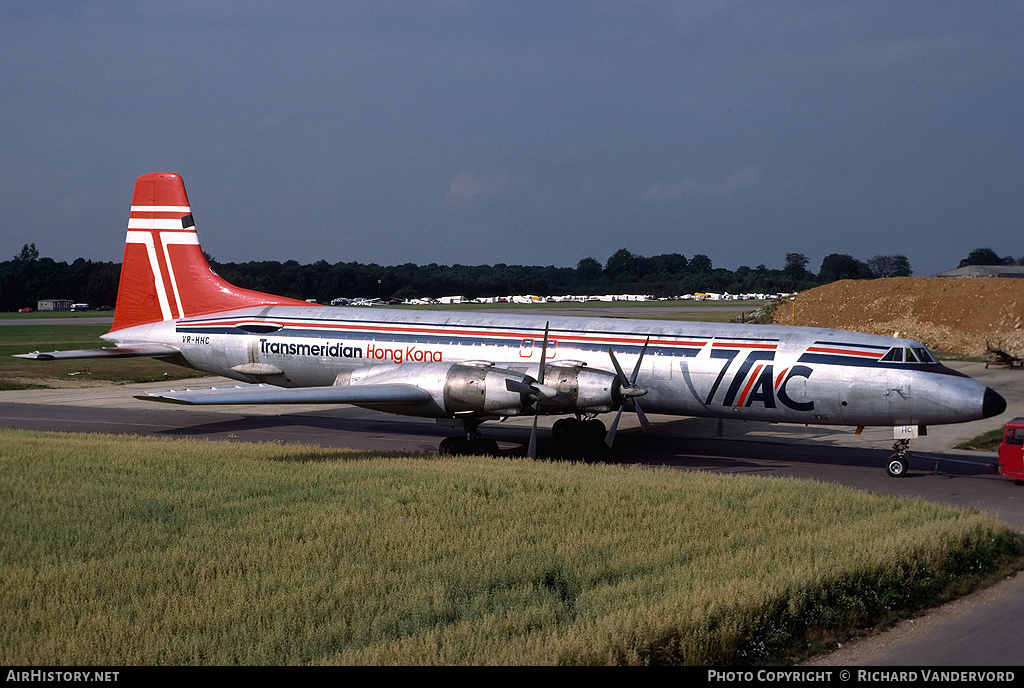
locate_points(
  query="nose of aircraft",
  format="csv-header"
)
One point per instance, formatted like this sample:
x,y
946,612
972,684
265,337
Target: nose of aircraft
x,y
993,404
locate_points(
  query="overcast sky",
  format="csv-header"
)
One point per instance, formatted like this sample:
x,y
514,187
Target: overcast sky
x,y
520,132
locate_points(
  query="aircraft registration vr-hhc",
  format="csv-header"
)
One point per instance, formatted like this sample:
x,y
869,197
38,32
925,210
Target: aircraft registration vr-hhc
x,y
467,368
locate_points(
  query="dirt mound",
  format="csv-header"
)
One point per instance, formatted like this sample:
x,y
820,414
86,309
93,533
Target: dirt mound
x,y
952,315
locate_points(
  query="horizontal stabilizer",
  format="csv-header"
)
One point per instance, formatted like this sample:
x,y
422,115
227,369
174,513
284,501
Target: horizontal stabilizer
x,y
394,393
105,352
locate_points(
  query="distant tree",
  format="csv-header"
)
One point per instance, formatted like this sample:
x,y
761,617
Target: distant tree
x,y
700,263
622,266
838,266
588,269
668,264
796,260
29,254
796,267
982,256
890,266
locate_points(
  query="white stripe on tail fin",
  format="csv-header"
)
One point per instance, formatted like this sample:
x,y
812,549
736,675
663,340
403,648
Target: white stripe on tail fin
x,y
164,274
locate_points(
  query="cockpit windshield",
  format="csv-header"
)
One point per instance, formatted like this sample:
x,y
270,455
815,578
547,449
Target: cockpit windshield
x,y
899,354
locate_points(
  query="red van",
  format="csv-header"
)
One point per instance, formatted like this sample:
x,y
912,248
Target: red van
x,y
1011,451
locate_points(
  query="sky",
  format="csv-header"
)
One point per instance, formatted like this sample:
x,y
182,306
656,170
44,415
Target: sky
x,y
519,132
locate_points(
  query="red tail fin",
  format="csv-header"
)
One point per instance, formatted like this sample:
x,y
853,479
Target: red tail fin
x,y
164,274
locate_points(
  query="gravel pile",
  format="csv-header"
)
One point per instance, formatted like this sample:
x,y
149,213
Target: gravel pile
x,y
957,316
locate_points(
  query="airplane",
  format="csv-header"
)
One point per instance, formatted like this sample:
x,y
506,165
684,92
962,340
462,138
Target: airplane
x,y
464,369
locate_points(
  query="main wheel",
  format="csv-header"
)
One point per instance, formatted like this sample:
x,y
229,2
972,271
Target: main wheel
x,y
484,445
897,467
453,446
565,429
594,431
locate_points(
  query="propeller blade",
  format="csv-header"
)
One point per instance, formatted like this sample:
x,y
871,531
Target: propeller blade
x,y
610,437
543,353
646,424
629,390
539,390
536,390
518,387
531,451
618,369
636,370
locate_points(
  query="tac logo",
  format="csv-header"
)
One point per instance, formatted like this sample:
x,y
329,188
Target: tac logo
x,y
753,381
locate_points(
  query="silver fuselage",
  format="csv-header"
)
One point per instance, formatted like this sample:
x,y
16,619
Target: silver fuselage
x,y
753,372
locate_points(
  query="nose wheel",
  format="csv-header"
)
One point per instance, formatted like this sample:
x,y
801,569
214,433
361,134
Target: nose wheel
x,y
897,465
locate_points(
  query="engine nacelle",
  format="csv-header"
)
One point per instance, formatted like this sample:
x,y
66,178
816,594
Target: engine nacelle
x,y
580,390
489,390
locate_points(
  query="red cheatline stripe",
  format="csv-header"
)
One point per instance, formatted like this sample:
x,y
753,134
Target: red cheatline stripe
x,y
844,352
743,345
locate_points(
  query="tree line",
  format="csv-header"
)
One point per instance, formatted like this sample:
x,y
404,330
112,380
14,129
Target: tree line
x,y
27,278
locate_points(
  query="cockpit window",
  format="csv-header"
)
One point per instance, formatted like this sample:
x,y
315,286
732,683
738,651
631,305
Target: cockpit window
x,y
923,355
899,354
894,355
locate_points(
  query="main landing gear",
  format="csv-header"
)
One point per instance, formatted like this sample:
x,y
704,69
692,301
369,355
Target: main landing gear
x,y
573,436
577,432
470,442
459,445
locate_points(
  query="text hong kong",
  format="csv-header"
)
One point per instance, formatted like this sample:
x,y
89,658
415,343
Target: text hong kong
x,y
394,354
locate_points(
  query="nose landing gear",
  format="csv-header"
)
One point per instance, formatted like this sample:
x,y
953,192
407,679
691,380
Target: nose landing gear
x,y
897,465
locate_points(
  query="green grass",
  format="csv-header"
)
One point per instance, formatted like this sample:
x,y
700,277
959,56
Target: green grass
x,y
986,441
40,315
156,551
21,339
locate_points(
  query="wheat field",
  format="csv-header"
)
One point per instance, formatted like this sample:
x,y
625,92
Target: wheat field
x,y
143,551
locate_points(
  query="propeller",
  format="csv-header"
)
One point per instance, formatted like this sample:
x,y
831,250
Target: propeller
x,y
532,450
629,390
536,391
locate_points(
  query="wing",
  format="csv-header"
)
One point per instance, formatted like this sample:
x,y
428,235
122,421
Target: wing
x,y
391,393
155,350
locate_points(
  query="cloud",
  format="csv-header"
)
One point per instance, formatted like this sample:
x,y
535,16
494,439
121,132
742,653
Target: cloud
x,y
466,186
748,177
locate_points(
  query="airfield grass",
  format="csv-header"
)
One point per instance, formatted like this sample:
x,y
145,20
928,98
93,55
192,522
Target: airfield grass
x,y
141,551
21,339
986,441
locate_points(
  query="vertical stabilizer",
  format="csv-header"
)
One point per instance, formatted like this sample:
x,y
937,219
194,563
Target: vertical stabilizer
x,y
164,274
